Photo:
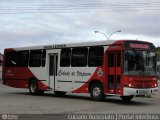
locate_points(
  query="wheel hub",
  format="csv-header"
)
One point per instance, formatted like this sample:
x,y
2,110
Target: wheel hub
x,y
96,91
33,88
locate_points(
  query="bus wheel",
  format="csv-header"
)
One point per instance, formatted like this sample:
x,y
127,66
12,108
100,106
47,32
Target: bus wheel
x,y
127,98
59,93
97,91
33,88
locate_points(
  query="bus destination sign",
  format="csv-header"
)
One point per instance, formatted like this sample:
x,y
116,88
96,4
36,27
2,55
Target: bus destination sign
x,y
134,45
55,46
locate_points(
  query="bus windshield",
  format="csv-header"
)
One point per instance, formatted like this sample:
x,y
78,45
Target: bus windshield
x,y
139,62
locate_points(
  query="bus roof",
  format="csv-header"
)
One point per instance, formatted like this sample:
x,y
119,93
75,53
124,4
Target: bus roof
x,y
82,44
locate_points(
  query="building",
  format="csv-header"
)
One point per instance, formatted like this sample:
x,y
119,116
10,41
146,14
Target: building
x,y
1,61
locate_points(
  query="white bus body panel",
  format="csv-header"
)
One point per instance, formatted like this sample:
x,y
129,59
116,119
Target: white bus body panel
x,y
68,78
75,78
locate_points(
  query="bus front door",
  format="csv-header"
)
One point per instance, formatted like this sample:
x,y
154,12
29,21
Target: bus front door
x,y
114,72
53,63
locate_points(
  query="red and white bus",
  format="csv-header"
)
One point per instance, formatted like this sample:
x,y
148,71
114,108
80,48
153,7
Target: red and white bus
x,y
124,68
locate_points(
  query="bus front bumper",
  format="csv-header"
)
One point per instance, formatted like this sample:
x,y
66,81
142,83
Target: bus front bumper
x,y
143,91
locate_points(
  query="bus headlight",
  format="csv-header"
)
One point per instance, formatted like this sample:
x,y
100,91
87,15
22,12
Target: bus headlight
x,y
130,85
155,85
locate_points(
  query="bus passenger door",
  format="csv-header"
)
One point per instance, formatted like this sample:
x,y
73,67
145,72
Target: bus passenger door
x,y
114,72
53,66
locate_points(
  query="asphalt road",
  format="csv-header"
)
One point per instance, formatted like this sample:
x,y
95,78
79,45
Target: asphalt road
x,y
19,101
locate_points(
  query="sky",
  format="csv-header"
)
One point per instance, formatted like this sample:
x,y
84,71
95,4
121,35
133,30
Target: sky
x,y
42,22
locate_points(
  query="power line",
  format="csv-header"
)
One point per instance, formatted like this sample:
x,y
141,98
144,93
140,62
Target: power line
x,y
78,8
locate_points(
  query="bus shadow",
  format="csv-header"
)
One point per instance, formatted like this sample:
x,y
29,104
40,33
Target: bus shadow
x,y
67,96
112,99
133,102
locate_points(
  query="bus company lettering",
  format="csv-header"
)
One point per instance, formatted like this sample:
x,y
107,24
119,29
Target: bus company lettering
x,y
64,73
83,74
77,73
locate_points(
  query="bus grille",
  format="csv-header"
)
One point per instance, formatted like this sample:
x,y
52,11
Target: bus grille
x,y
142,84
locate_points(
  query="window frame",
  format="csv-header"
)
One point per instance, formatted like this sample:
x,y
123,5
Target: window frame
x,y
23,63
73,59
95,57
68,57
33,60
9,62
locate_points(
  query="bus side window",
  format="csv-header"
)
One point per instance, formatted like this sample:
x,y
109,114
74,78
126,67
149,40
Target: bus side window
x,y
43,58
22,58
35,58
79,57
95,57
11,59
65,57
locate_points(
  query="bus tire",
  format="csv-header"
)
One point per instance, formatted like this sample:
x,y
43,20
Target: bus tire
x,y
97,91
33,88
127,98
59,93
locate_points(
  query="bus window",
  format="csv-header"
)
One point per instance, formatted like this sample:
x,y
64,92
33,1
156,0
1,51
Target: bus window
x,y
111,59
79,57
118,59
95,57
43,58
22,58
65,57
139,62
11,59
35,58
